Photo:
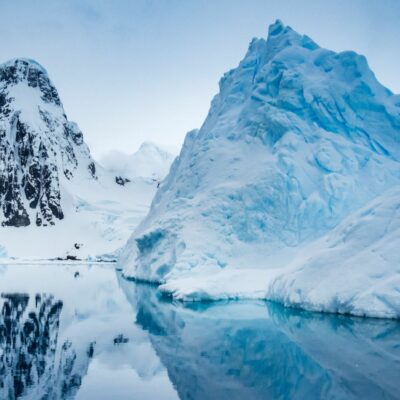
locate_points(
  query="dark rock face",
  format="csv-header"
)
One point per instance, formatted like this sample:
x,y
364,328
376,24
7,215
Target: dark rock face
x,y
36,143
121,181
92,169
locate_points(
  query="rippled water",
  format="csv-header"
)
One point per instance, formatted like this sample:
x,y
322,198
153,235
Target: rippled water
x,y
84,332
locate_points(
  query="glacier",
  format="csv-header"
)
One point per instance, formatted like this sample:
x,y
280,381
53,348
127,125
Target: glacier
x,y
288,191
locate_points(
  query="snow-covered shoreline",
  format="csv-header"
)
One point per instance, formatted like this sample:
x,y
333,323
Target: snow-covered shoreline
x,y
54,262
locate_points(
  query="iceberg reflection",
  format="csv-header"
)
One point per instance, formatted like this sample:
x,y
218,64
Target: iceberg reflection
x,y
265,351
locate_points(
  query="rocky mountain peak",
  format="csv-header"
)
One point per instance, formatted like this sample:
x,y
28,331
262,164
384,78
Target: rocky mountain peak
x,y
22,70
39,147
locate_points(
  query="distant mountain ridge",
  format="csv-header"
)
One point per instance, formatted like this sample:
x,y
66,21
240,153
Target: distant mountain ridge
x,y
149,161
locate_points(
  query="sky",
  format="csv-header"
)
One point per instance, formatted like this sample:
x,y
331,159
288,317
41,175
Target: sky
x,y
128,71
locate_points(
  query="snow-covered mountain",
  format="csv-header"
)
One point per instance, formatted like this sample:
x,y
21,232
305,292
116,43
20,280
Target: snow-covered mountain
x,y
38,147
298,139
55,200
150,161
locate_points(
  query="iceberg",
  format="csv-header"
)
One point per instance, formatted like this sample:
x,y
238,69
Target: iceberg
x,y
271,198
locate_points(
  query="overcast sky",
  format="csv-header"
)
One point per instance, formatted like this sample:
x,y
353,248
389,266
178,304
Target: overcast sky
x,y
129,71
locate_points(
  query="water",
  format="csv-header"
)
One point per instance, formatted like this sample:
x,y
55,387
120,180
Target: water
x,y
84,332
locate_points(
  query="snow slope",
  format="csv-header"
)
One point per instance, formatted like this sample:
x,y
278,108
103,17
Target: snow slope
x,y
149,161
99,217
298,139
354,269
55,200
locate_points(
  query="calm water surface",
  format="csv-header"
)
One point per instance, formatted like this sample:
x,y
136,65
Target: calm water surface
x,y
84,332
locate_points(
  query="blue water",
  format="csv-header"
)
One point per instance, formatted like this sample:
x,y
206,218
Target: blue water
x,y
84,332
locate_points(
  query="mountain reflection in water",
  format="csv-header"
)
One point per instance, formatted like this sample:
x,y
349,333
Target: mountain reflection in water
x,y
28,343
100,336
